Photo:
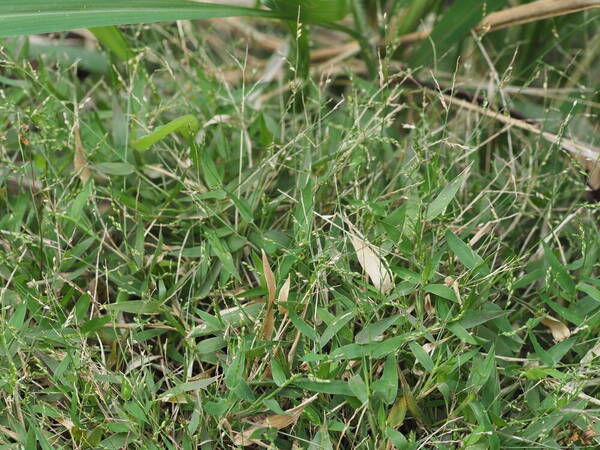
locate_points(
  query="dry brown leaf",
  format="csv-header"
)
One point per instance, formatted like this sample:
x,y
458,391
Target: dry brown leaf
x,y
559,330
284,293
279,421
65,422
269,277
530,12
429,308
11,434
371,262
79,159
429,347
269,322
519,15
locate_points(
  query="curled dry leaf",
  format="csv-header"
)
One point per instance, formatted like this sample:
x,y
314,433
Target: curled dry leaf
x,y
79,159
279,421
374,265
269,322
65,422
559,330
429,308
429,347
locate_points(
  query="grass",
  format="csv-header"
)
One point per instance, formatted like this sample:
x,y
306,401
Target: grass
x,y
196,254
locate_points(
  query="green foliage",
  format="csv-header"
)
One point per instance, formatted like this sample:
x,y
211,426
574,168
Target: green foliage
x,y
311,11
132,301
40,16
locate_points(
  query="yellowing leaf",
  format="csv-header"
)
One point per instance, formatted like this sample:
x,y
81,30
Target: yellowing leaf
x,y
397,413
371,262
559,330
269,277
445,197
284,293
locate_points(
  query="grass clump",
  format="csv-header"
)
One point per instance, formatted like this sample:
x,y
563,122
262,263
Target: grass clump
x,y
197,250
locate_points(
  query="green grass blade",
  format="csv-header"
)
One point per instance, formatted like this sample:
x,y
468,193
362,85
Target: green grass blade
x,y
466,254
186,125
456,24
445,197
41,16
113,39
311,11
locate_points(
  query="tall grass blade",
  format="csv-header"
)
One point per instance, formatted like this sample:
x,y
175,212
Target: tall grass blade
x,y
456,24
42,16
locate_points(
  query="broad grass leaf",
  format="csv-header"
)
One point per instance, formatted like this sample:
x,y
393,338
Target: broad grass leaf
x,y
112,38
94,324
374,332
473,318
78,205
359,388
540,373
219,247
589,290
321,440
421,355
562,276
387,386
396,438
188,386
352,351
440,203
136,307
454,26
303,327
441,290
234,373
461,333
335,326
333,387
278,372
114,168
466,254
242,206
42,16
211,345
482,370
186,125
541,353
311,11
